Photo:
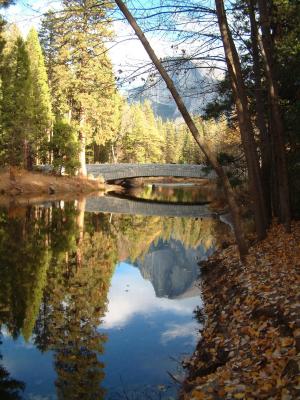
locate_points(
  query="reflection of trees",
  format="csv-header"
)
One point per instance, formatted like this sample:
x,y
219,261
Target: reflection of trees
x,y
74,302
137,233
24,260
173,194
55,266
56,276
10,389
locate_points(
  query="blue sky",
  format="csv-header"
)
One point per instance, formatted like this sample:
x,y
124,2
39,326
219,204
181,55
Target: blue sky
x,y
126,52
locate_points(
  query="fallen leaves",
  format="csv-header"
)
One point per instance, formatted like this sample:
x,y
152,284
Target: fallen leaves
x,y
250,342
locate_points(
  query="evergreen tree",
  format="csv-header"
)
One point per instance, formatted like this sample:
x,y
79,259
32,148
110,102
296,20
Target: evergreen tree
x,y
40,101
15,108
64,147
81,72
153,138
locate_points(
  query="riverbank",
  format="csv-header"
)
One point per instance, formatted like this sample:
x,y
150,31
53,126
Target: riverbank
x,y
250,342
23,183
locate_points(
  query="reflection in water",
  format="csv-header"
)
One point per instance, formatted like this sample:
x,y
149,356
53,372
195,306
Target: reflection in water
x,y
171,267
10,389
56,269
175,193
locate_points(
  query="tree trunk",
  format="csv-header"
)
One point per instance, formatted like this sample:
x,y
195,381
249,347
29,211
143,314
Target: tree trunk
x,y
277,125
96,152
247,134
113,154
243,248
265,143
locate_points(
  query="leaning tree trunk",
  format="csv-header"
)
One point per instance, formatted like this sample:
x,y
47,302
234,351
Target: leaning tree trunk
x,y
277,125
247,134
264,138
243,248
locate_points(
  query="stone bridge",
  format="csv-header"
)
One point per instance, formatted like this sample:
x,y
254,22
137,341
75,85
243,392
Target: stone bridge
x,y
112,172
116,205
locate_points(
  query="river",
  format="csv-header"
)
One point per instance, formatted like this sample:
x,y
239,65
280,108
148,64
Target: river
x,y
99,305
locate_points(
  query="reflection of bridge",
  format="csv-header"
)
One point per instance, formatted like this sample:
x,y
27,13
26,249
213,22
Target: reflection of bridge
x,y
122,171
115,205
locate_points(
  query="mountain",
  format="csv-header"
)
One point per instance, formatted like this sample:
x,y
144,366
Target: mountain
x,y
195,88
171,268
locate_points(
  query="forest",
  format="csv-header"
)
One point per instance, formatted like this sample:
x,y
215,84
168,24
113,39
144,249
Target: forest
x,y
61,104
67,257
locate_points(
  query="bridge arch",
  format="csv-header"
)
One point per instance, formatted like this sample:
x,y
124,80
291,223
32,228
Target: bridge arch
x,y
112,172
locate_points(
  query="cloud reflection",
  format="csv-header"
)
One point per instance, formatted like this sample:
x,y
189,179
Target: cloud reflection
x,y
188,330
131,295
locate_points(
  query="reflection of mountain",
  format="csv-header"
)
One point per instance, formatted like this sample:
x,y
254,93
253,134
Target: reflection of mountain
x,y
171,268
195,88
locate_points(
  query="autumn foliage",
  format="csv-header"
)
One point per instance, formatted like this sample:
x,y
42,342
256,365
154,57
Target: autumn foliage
x,y
249,348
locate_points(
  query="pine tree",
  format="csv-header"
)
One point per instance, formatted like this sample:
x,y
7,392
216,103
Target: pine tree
x,y
40,101
15,108
81,72
153,140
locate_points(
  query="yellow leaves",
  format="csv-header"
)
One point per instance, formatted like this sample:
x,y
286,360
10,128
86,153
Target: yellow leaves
x,y
251,315
198,395
279,382
296,332
287,341
266,387
239,396
246,362
229,389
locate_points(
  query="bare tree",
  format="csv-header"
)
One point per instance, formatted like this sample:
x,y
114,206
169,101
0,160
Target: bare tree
x,y
244,119
243,248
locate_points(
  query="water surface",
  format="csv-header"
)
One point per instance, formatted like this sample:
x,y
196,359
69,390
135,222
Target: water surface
x,y
98,305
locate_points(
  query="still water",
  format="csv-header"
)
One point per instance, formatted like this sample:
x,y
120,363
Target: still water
x,y
99,305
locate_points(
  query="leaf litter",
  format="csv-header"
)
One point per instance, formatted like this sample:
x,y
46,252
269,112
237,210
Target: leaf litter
x,y
250,340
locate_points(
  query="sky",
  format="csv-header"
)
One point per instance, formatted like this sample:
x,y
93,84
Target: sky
x,y
126,52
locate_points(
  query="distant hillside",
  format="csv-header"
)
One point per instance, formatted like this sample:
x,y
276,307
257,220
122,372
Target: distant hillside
x,y
195,88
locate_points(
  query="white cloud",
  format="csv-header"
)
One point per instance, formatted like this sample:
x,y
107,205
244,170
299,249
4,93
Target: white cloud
x,y
4,332
32,396
174,331
131,295
28,14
